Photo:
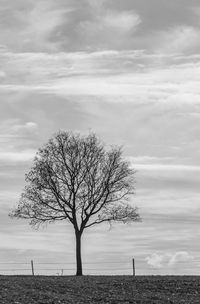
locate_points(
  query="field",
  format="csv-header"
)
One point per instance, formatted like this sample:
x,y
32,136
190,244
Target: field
x,y
99,289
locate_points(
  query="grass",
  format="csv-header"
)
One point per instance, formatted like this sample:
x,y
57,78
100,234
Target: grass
x,y
99,289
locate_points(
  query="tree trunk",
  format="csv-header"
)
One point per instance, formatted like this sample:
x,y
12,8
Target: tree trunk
x,y
79,271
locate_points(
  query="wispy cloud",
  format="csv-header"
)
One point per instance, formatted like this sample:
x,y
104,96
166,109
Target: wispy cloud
x,y
144,77
23,156
164,167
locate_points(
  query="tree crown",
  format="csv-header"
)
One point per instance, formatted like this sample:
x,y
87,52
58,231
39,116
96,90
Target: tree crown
x,y
74,177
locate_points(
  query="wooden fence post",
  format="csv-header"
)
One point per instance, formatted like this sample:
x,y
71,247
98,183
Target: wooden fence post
x,y
134,267
32,267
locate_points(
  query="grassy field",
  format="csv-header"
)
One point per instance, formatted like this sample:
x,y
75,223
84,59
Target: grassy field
x,y
99,289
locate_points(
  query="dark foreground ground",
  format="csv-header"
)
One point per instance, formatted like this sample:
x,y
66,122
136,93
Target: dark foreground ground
x,y
99,289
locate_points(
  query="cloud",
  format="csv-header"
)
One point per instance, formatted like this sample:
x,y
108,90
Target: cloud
x,y
23,156
28,25
180,39
155,260
101,31
2,74
46,25
136,75
121,21
28,126
178,257
147,159
13,130
167,260
165,167
42,21
97,4
49,26
155,163
17,145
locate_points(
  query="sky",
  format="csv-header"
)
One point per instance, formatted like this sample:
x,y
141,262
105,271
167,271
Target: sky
x,y
128,70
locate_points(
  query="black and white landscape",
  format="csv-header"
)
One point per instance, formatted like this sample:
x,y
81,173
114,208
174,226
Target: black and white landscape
x,y
128,71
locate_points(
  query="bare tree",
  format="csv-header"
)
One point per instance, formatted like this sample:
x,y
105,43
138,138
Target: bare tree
x,y
75,178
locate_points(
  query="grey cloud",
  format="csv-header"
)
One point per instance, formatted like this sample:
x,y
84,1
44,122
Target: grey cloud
x,y
69,25
160,14
27,25
157,18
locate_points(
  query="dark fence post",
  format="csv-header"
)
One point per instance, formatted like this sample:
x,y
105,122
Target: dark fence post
x,y
134,267
32,267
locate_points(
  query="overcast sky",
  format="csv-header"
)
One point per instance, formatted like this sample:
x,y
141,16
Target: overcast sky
x,y
128,70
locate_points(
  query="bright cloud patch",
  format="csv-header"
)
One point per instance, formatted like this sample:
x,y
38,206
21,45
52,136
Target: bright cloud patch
x,y
166,260
125,21
29,126
182,256
23,156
